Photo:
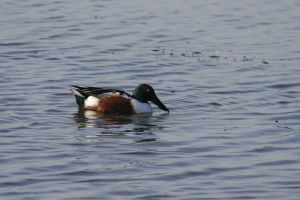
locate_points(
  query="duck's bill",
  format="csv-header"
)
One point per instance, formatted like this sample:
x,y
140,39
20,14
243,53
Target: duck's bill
x,y
157,102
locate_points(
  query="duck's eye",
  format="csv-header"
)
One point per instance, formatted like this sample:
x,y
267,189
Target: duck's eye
x,y
147,90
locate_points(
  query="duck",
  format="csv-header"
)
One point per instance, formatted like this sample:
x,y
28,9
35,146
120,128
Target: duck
x,y
113,101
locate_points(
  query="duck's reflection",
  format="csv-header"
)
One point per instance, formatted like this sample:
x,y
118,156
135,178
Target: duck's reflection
x,y
86,116
112,124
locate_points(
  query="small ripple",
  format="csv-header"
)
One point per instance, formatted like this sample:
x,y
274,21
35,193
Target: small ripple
x,y
287,184
54,36
277,163
77,173
13,44
215,104
105,180
112,35
156,196
52,58
288,116
139,153
24,182
267,149
55,17
53,111
233,92
23,52
284,86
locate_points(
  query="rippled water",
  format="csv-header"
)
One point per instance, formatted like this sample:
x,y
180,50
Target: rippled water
x,y
228,70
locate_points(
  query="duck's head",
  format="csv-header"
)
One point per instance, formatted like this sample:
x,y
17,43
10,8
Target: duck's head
x,y
145,93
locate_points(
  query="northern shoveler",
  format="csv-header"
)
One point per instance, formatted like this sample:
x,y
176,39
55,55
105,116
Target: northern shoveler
x,y
117,101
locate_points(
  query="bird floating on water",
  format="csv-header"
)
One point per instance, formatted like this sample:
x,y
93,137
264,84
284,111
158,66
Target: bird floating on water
x,y
117,101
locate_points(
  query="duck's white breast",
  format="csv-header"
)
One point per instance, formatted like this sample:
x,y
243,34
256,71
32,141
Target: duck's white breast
x,y
140,107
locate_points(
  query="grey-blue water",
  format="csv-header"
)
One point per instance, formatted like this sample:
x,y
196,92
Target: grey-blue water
x,y
228,70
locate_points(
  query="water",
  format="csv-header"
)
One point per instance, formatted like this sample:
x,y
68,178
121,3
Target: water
x,y
228,71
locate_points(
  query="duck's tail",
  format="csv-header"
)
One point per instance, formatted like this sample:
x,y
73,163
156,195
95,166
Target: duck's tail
x,y
80,95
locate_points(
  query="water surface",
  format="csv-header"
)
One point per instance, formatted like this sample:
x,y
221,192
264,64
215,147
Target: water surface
x,y
228,71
